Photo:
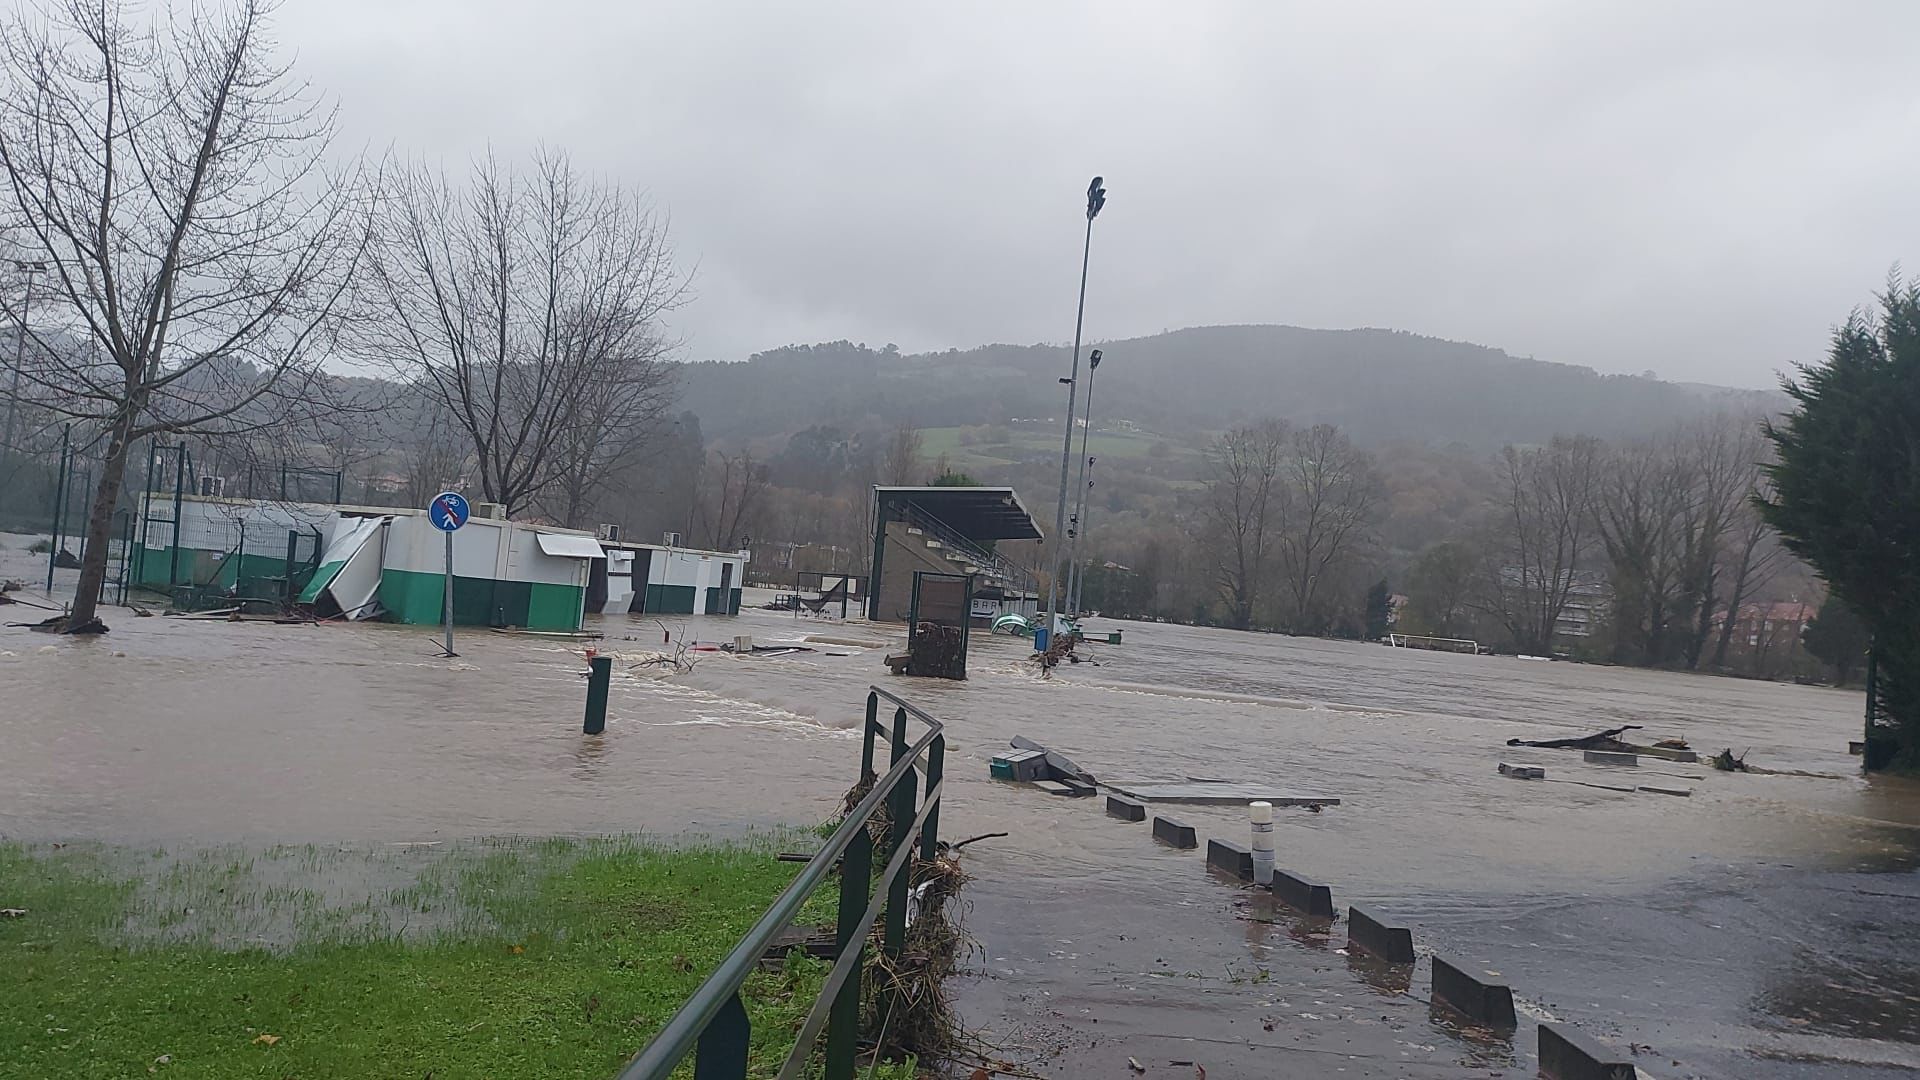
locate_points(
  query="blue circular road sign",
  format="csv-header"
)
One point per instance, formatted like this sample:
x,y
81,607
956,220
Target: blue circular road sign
x,y
449,511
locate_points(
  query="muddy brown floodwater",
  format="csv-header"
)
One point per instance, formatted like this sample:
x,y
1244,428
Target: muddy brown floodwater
x,y
1767,926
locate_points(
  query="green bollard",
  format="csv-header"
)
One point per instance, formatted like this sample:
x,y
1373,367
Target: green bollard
x,y
599,677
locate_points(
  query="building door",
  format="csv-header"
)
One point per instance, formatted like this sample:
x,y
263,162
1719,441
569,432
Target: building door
x,y
726,590
642,574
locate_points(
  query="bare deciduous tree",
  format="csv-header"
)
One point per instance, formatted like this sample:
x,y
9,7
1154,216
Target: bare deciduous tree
x,y
1723,453
1642,505
1328,498
901,465
1238,513
1440,586
738,486
1544,526
171,174
1754,554
530,308
623,415
432,457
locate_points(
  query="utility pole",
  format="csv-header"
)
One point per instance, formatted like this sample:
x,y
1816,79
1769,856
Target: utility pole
x,y
1096,198
1080,503
20,347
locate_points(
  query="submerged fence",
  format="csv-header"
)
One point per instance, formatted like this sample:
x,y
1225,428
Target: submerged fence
x,y
713,1023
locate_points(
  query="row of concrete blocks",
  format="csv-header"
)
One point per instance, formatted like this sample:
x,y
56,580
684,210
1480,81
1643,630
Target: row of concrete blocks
x,y
1565,1052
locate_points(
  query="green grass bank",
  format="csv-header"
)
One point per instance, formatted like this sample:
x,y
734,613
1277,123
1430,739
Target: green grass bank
x,y
506,959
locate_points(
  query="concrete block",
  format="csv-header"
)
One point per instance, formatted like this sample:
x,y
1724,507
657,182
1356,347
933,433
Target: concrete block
x,y
1174,833
1126,809
1080,790
1474,996
1055,787
1610,757
1683,792
1300,894
1231,858
1367,931
1566,1053
1523,772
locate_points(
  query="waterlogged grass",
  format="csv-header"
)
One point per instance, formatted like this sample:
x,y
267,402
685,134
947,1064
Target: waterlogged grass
x,y
510,960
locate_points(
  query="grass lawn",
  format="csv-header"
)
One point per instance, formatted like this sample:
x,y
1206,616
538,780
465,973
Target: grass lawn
x,y
1024,440
510,959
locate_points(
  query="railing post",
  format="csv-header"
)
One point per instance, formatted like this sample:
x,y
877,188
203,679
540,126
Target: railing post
x,y
866,734
900,805
936,768
843,1023
721,1053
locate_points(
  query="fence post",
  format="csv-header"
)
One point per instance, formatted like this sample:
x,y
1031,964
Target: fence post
x,y
59,506
936,768
721,1053
900,806
286,569
179,483
843,1023
126,557
866,735
599,677
86,485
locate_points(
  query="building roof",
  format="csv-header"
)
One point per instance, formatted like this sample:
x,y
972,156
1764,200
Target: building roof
x,y
744,555
978,513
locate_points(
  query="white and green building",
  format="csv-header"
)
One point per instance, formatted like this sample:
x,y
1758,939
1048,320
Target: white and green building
x,y
362,562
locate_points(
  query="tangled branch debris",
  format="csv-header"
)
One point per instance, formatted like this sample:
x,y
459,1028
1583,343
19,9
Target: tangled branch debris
x,y
937,651
906,1010
1059,650
906,1003
678,662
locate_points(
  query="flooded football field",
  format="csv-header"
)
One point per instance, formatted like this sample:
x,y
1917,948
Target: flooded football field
x,y
1764,926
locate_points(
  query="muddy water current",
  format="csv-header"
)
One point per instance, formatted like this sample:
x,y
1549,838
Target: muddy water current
x,y
1764,926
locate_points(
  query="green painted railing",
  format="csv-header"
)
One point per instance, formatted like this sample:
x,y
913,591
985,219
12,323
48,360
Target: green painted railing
x,y
713,1023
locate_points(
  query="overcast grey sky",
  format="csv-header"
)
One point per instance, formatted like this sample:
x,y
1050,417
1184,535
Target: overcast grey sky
x,y
1700,189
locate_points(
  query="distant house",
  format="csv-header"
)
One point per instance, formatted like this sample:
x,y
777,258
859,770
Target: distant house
x,y
1766,637
1589,599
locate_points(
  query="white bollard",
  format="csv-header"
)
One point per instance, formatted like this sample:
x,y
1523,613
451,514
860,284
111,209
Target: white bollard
x,y
1260,815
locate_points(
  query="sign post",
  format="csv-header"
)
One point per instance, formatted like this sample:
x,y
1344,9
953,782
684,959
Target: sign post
x,y
448,512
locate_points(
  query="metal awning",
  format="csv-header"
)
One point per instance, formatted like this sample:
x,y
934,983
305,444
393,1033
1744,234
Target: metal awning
x,y
977,513
565,546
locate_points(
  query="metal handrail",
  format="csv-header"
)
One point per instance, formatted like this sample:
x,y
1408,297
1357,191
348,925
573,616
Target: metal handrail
x,y
953,538
713,1023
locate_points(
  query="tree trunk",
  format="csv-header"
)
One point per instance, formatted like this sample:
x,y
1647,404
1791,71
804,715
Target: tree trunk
x,y
1897,678
1703,626
1733,613
106,496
